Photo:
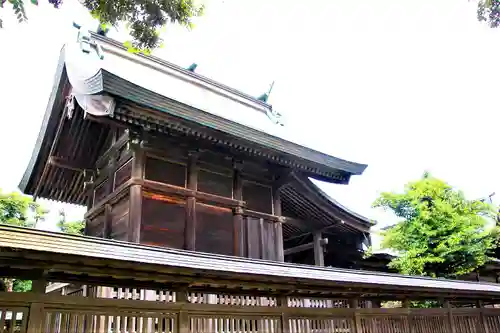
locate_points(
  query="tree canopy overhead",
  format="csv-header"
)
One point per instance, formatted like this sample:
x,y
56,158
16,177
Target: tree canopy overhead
x,y
489,11
441,233
145,18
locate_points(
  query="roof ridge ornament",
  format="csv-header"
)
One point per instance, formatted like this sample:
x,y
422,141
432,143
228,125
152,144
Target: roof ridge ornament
x,y
273,115
87,42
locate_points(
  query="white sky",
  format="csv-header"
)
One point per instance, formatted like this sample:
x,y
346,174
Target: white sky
x,y
401,85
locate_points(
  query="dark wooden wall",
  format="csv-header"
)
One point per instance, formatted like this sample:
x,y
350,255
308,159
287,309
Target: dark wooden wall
x,y
164,192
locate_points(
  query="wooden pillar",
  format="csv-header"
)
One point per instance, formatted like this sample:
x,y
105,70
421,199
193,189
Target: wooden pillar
x,y
192,184
88,188
238,223
39,286
135,213
319,257
107,221
280,255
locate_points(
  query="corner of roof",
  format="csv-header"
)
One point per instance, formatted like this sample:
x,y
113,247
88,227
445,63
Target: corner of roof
x,y
368,222
35,155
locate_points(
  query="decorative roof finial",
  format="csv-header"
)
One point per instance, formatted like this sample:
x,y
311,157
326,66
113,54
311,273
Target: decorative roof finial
x,y
192,67
102,30
264,97
86,43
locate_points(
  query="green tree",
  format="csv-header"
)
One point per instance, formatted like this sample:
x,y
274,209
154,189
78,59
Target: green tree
x,y
441,233
144,18
70,227
489,11
19,210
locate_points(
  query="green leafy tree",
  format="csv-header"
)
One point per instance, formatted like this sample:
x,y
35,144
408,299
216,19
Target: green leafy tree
x,y
145,19
19,210
489,11
70,227
441,233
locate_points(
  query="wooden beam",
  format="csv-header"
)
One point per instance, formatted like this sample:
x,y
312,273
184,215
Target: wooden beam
x,y
300,223
305,247
69,165
185,192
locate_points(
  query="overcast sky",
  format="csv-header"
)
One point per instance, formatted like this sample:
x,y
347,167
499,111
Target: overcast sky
x,y
401,85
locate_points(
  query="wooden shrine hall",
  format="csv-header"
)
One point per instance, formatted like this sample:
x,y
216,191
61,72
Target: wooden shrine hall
x,y
202,217
198,167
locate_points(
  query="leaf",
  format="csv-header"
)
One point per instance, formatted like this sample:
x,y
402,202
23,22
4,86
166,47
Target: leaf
x,y
441,233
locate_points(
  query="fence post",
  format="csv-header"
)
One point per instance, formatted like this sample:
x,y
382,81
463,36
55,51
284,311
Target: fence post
x,y
451,320
183,317
354,304
482,318
35,318
282,301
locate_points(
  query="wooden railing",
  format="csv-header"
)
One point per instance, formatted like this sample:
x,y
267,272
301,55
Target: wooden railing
x,y
47,313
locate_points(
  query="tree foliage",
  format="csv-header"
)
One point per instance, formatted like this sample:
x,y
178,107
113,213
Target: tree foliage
x,y
441,233
19,210
489,11
70,227
144,18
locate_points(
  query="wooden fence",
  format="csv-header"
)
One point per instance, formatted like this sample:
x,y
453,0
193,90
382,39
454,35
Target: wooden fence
x,y
48,313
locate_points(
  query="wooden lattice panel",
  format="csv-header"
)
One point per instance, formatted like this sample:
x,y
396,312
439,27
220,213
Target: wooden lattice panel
x,y
386,324
466,324
296,302
434,324
58,321
245,300
492,323
13,319
322,325
235,324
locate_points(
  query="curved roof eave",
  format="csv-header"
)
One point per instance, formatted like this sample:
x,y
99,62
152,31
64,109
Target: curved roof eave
x,y
42,140
348,216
